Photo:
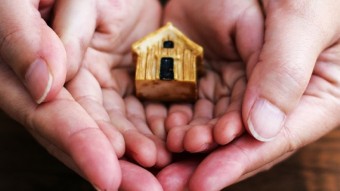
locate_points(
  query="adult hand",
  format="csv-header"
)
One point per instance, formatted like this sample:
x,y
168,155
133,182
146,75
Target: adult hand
x,y
44,41
81,124
297,35
70,134
298,71
228,44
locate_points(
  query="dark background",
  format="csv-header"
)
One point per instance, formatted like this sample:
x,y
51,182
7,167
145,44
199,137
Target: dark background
x,y
163,1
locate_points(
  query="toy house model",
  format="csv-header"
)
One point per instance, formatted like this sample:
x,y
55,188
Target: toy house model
x,y
167,66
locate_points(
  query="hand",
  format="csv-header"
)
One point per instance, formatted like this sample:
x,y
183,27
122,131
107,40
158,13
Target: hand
x,y
81,122
108,61
216,116
44,57
277,83
312,111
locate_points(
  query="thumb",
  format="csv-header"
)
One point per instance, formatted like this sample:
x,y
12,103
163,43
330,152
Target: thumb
x,y
31,49
284,67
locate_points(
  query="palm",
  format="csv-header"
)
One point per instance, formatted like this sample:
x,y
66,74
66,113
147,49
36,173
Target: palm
x,y
108,60
216,116
107,72
220,95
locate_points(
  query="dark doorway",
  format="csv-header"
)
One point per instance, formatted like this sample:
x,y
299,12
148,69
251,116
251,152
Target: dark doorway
x,y
167,69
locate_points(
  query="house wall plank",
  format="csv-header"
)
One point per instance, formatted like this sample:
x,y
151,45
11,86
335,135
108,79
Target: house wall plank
x,y
141,65
186,65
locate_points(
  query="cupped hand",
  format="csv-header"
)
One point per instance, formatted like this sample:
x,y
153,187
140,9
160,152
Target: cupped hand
x,y
108,60
298,69
315,115
215,118
231,34
84,123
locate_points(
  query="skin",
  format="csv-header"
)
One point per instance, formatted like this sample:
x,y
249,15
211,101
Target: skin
x,y
87,123
217,113
90,141
296,69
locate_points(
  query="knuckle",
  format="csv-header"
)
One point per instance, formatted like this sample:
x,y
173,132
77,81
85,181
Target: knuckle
x,y
295,75
289,82
293,143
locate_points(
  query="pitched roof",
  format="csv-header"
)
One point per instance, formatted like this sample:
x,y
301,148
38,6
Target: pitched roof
x,y
160,34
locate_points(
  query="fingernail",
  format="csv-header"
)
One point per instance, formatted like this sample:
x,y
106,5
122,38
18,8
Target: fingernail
x,y
39,80
265,120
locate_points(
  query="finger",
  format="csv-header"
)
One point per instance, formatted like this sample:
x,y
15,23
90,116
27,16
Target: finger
x,y
31,49
176,176
68,126
175,138
136,114
179,114
176,125
75,23
230,125
138,146
199,136
250,44
164,156
137,178
285,64
91,99
203,112
155,117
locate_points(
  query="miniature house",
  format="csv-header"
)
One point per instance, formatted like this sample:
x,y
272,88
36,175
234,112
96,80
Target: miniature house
x,y
167,66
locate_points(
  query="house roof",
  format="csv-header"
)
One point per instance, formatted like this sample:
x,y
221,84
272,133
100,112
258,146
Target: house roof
x,y
166,31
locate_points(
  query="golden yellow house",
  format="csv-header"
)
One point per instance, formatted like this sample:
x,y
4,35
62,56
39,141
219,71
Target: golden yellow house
x,y
167,66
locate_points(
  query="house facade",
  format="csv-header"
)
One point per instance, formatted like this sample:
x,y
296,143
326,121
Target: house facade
x,y
167,66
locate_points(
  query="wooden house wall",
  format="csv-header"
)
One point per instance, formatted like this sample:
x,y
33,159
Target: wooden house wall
x,y
148,63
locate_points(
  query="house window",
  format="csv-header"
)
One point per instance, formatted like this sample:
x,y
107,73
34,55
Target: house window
x,y
167,68
168,44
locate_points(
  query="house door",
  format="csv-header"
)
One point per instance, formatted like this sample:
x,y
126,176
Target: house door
x,y
167,68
